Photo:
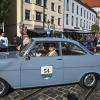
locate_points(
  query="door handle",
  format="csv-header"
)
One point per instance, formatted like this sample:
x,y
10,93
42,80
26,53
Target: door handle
x,y
59,59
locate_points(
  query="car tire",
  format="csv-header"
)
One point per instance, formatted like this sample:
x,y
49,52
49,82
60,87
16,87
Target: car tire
x,y
4,87
88,80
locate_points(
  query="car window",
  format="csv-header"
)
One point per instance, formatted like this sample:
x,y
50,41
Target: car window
x,y
45,49
71,49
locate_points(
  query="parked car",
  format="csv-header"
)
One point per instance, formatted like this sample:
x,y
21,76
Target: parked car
x,y
32,67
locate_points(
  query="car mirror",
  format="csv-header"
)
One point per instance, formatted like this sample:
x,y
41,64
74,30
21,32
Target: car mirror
x,y
27,57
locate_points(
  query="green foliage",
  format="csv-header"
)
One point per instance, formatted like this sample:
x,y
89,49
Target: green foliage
x,y
3,9
95,28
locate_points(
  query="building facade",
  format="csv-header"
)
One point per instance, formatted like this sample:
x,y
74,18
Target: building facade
x,y
36,16
78,16
97,9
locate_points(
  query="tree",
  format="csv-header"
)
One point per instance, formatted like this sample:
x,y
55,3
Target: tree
x,y
95,28
3,10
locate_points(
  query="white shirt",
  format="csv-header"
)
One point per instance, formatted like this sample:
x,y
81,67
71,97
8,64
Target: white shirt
x,y
4,41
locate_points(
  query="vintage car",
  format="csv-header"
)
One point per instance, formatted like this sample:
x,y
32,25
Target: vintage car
x,y
32,67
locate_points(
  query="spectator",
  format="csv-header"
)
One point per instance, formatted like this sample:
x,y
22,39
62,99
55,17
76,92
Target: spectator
x,y
3,42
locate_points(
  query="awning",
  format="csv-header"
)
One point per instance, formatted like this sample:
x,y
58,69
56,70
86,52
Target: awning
x,y
83,32
37,31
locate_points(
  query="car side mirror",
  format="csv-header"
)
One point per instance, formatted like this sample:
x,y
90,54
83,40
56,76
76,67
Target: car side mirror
x,y
27,57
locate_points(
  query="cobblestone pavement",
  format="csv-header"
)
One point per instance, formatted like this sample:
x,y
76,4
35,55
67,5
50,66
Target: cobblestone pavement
x,y
52,93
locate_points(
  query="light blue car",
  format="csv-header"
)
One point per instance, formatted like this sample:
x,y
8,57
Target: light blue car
x,y
33,67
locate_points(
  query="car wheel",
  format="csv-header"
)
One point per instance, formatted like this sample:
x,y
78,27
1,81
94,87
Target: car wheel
x,y
4,87
88,80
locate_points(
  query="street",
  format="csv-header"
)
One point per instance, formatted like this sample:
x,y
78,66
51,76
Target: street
x,y
64,92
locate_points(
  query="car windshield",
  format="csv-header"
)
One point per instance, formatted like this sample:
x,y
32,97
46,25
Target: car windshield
x,y
25,49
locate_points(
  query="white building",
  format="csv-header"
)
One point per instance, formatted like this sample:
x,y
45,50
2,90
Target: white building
x,y
35,15
78,16
97,9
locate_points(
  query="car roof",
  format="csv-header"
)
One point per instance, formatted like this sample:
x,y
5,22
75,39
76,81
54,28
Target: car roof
x,y
54,39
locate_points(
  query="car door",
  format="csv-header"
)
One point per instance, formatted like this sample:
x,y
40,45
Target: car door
x,y
77,62
41,70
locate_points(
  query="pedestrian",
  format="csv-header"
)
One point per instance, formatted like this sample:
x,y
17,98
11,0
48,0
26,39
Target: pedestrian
x,y
3,42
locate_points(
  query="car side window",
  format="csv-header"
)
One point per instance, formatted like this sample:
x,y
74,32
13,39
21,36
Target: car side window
x,y
71,49
45,49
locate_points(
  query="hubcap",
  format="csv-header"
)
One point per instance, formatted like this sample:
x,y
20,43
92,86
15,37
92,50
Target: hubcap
x,y
89,80
2,87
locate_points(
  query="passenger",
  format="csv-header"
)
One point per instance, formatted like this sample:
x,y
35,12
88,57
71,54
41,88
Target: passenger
x,y
52,51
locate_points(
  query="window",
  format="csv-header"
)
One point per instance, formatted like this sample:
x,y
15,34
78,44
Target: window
x,y
84,24
38,16
59,9
67,5
45,3
59,21
72,7
76,21
71,49
72,20
27,1
67,18
80,22
39,2
81,11
27,14
87,14
84,13
52,6
42,49
87,25
52,19
77,9
90,16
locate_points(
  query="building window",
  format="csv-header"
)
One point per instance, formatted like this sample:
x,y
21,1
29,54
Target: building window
x,y
87,14
81,11
38,16
76,21
27,1
90,16
84,13
45,3
84,24
67,18
67,5
27,14
52,19
72,7
59,21
59,9
52,6
38,2
80,22
72,20
87,25
77,9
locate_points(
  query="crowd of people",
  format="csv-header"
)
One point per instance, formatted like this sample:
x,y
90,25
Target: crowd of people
x,y
88,40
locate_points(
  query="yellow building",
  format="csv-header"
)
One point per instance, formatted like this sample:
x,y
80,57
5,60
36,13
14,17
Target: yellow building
x,y
36,15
